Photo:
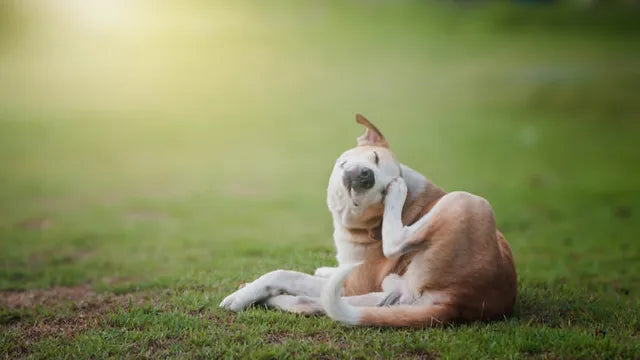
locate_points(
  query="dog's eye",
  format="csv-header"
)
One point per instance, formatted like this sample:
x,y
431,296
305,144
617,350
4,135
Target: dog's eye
x,y
377,159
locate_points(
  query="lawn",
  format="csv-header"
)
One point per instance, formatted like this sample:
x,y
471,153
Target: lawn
x,y
155,157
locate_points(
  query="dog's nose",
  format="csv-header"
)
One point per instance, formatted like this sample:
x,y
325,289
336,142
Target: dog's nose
x,y
366,174
359,178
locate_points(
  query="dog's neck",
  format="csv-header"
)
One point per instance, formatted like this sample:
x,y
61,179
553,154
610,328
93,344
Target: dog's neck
x,y
355,239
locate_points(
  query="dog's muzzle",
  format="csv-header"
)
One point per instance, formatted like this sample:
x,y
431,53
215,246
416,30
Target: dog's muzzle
x,y
360,178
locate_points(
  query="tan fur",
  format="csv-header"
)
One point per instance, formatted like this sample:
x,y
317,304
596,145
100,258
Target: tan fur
x,y
361,281
409,315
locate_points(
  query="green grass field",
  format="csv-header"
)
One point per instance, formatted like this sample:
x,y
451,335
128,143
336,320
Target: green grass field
x,y
154,158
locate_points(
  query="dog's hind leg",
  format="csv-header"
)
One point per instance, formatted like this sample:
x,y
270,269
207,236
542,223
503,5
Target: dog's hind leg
x,y
295,304
311,305
271,284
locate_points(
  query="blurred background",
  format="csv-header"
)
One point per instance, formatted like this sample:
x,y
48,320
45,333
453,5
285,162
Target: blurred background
x,y
146,140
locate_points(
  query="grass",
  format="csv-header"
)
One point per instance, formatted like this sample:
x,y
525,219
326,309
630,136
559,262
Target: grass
x,y
152,161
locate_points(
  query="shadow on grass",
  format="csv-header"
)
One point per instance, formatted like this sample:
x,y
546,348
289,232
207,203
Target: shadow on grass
x,y
558,305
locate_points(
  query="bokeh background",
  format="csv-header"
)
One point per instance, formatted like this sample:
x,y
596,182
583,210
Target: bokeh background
x,y
154,155
153,144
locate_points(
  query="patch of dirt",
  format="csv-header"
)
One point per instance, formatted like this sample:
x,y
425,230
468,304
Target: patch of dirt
x,y
418,354
279,337
221,319
72,310
39,223
30,334
541,355
46,297
61,327
158,348
79,297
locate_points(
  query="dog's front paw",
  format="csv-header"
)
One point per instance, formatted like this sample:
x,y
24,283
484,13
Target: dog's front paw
x,y
244,297
396,191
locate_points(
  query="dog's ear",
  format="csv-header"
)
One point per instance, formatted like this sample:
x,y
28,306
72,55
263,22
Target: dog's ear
x,y
372,136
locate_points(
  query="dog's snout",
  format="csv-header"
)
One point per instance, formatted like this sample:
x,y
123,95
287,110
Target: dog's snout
x,y
361,178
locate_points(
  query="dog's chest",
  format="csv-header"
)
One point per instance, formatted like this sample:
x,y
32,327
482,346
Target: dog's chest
x,y
354,246
349,253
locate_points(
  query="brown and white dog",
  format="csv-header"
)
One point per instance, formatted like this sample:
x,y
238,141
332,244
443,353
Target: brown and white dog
x,y
410,254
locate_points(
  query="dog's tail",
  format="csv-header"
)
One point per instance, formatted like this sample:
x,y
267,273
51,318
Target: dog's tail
x,y
394,316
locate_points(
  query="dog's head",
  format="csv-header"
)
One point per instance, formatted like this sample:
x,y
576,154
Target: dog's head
x,y
360,176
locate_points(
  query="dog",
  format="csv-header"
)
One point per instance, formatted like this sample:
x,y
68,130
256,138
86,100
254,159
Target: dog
x,y
409,253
